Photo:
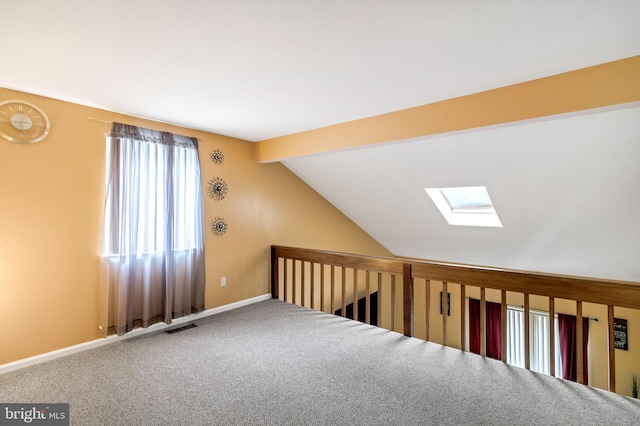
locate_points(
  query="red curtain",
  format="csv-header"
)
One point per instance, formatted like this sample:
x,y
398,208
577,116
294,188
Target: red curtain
x,y
568,350
493,328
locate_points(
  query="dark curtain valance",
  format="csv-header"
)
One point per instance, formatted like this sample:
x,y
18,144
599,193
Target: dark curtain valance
x,y
119,130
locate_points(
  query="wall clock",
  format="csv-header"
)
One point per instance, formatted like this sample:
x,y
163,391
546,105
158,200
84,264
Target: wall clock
x,y
22,122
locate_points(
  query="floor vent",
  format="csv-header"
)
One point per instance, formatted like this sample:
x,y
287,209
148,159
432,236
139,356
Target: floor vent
x,y
177,329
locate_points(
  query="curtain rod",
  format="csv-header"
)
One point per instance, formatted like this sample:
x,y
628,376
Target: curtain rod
x,y
101,121
531,310
547,312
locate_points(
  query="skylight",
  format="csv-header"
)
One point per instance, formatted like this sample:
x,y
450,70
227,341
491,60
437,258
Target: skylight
x,y
465,206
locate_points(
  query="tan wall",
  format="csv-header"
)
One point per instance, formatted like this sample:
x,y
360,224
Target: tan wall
x,y
51,201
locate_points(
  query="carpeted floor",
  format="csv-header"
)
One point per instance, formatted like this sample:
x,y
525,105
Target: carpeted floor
x,y
273,363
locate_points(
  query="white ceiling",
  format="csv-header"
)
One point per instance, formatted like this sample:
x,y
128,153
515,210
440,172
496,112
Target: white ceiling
x,y
566,192
256,69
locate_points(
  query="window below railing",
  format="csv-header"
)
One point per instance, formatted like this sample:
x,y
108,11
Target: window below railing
x,y
539,341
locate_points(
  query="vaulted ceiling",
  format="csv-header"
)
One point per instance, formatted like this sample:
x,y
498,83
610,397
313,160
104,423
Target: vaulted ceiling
x,y
565,187
565,191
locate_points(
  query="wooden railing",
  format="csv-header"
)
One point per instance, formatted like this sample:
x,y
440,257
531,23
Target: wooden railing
x,y
328,280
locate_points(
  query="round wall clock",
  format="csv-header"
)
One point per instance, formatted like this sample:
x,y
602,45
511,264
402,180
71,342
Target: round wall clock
x,y
22,122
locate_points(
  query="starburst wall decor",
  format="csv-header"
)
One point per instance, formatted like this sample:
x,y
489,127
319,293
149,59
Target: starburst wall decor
x,y
218,226
217,156
217,189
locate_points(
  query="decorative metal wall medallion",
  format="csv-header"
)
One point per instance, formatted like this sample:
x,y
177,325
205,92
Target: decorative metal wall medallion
x,y
218,226
217,156
216,188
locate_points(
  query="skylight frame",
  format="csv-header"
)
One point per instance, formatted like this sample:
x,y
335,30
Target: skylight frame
x,y
483,215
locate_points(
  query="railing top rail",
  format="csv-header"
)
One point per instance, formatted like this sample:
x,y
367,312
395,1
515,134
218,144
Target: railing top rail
x,y
346,260
592,290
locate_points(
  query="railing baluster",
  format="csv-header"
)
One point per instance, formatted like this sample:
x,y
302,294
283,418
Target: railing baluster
x,y
355,294
293,281
503,325
275,275
302,286
483,322
463,317
527,345
393,302
445,308
322,287
344,291
379,313
284,278
333,289
552,336
427,306
312,280
612,345
579,340
367,300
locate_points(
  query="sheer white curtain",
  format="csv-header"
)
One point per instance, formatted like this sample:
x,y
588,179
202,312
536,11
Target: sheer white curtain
x,y
538,341
152,256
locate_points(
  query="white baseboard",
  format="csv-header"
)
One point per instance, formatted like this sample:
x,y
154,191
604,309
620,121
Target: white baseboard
x,y
59,353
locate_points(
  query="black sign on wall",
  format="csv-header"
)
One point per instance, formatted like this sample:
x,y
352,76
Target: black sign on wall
x,y
620,333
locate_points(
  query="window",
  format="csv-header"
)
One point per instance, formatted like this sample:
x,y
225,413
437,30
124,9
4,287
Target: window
x,y
474,199
152,252
539,338
566,352
151,213
468,206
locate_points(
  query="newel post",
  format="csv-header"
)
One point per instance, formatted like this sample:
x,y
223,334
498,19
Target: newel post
x,y
407,299
274,273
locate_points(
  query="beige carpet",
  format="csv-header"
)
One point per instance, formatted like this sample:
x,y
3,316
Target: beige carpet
x,y
273,363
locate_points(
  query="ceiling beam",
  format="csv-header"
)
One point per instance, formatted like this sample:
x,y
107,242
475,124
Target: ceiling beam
x,y
604,85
